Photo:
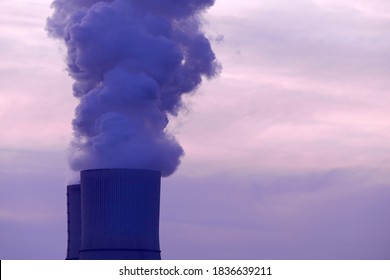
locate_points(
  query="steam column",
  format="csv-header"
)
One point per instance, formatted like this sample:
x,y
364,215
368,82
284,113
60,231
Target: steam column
x,y
120,211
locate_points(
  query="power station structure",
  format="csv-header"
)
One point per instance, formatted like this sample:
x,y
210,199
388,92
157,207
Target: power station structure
x,y
113,214
74,221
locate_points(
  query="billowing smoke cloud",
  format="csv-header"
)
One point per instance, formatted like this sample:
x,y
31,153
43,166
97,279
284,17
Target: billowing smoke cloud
x,y
131,61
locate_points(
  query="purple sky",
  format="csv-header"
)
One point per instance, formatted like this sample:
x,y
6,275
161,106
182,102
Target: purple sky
x,y
287,151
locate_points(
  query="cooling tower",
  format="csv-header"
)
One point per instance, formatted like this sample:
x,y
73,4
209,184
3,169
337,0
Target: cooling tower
x,y
120,211
74,222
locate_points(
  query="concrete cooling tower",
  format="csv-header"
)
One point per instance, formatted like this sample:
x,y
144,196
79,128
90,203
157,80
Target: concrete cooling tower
x,y
119,215
74,221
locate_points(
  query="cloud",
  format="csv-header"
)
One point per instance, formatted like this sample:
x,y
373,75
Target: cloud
x,y
303,85
32,205
332,214
35,105
307,39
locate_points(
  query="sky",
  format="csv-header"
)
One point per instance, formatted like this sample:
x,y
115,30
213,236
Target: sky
x,y
287,151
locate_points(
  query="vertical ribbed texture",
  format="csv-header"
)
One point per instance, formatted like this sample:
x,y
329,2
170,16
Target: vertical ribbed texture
x,y
120,214
74,223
